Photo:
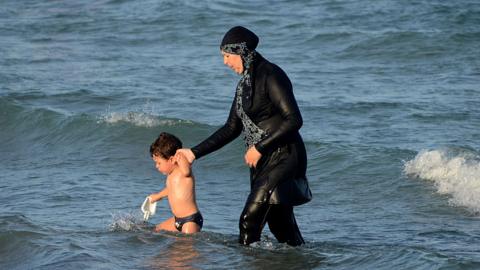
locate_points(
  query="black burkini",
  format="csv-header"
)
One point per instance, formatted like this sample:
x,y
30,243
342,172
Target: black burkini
x,y
278,182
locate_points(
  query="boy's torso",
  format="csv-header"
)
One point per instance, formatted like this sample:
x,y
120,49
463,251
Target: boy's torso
x,y
181,194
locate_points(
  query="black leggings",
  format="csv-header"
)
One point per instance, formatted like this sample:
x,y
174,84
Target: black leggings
x,y
280,219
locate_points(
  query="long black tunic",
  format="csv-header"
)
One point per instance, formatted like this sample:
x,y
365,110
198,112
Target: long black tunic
x,y
273,108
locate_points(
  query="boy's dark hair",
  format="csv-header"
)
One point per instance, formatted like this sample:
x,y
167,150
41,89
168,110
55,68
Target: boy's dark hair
x,y
165,145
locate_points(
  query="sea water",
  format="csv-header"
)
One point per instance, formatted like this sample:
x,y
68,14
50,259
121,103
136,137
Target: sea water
x,y
388,90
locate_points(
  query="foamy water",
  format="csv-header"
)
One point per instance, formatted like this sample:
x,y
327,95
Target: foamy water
x,y
139,119
126,222
455,175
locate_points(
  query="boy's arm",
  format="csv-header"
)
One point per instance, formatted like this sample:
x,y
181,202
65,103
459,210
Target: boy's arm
x,y
183,164
159,195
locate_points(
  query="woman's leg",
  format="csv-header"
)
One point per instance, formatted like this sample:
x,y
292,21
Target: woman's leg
x,y
283,225
252,220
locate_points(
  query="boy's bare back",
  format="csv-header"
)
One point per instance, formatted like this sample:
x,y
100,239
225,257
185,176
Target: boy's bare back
x,y
181,188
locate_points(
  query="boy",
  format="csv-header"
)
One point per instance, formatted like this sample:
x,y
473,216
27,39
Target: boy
x,y
180,186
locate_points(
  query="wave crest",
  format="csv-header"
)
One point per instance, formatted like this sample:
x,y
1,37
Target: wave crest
x,y
457,175
139,119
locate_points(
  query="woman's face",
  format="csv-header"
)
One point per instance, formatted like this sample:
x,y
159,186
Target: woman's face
x,y
233,61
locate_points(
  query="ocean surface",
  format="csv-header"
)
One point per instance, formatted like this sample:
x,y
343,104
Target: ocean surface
x,y
389,92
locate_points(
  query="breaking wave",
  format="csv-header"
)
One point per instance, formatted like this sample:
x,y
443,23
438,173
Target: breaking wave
x,y
454,174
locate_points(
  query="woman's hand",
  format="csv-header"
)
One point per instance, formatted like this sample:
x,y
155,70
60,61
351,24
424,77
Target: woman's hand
x,y
252,157
188,154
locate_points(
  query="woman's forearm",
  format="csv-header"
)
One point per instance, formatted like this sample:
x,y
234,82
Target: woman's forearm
x,y
227,133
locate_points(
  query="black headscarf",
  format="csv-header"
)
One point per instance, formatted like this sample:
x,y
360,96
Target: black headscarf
x,y
241,41
239,34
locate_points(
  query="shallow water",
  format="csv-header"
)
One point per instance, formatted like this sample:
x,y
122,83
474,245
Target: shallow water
x,y
391,106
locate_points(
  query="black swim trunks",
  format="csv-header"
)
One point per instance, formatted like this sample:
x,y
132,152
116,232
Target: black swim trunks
x,y
197,218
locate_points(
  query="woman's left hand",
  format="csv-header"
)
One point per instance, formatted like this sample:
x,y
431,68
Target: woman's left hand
x,y
252,157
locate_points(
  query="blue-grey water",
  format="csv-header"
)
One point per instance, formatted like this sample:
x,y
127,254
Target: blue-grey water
x,y
389,92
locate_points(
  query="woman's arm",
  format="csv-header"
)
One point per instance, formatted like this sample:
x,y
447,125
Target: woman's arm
x,y
227,133
279,89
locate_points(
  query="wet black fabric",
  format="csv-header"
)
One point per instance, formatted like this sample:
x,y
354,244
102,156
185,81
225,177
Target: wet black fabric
x,y
278,174
280,219
272,107
239,34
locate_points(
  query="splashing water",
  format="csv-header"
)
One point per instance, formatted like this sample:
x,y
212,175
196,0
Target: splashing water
x,y
126,222
143,117
457,176
140,119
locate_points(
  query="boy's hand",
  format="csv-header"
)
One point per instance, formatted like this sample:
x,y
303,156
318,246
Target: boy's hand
x,y
187,153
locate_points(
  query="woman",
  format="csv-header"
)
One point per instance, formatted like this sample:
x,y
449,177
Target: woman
x,y
265,109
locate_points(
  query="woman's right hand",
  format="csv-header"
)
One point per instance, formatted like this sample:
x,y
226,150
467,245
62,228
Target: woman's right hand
x,y
187,152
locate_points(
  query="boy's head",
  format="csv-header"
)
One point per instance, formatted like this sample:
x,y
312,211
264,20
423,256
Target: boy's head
x,y
165,146
162,151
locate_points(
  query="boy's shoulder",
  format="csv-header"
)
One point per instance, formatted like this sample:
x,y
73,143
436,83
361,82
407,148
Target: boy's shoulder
x,y
178,174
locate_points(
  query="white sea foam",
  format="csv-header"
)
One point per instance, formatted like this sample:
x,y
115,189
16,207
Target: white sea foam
x,y
457,175
136,118
140,119
143,116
